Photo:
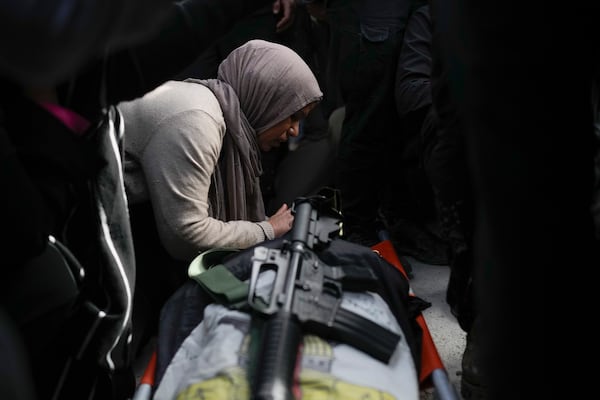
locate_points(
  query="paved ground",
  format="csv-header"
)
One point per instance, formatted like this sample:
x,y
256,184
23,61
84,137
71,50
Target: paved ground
x,y
429,283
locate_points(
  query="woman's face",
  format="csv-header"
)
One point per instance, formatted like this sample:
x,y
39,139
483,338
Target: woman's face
x,y
281,131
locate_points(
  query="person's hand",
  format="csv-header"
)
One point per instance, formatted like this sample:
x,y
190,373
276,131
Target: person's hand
x,y
282,220
286,9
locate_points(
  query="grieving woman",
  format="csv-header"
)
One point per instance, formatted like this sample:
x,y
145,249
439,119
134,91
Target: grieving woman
x,y
193,157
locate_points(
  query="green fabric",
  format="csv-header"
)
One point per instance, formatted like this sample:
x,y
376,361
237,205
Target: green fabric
x,y
217,280
224,287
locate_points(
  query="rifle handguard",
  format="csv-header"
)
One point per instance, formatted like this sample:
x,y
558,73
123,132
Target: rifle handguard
x,y
279,347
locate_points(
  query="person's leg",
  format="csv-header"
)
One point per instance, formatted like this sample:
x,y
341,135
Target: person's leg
x,y
366,71
408,207
446,166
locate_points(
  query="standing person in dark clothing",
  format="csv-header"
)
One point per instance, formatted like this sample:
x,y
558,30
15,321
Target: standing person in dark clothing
x,y
524,88
50,159
365,41
427,105
416,230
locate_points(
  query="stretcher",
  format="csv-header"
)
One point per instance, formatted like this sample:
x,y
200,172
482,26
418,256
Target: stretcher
x,y
432,374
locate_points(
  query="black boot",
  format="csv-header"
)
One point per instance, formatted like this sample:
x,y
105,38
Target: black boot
x,y
472,384
456,224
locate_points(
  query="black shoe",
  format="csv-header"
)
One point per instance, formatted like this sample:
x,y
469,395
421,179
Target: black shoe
x,y
472,386
418,241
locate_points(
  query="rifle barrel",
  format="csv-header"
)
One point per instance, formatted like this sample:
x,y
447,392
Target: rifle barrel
x,y
280,345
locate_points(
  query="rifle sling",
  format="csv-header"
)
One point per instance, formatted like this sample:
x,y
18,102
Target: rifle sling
x,y
224,287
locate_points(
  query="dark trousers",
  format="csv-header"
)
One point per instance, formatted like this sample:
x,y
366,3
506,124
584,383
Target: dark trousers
x,y
364,72
445,162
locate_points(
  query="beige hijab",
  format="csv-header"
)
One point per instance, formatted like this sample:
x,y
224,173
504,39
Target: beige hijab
x,y
258,85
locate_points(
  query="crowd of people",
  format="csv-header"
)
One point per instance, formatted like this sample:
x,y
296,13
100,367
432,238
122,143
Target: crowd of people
x,y
134,135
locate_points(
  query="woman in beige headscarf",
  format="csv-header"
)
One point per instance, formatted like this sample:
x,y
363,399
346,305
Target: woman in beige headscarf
x,y
192,148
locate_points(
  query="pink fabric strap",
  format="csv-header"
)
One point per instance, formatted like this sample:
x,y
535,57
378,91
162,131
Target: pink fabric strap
x,y
69,118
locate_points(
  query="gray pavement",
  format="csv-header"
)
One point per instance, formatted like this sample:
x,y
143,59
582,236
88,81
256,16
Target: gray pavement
x,y
429,283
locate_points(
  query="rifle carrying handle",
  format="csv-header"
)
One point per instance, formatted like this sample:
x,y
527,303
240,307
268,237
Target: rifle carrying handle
x,y
279,349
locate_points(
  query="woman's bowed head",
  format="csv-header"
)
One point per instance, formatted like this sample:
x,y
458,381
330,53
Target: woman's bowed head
x,y
275,87
282,131
276,90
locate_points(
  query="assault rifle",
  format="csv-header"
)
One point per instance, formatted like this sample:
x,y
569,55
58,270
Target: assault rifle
x,y
305,297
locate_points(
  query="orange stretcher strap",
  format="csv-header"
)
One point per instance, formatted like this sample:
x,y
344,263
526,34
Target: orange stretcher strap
x,y
430,358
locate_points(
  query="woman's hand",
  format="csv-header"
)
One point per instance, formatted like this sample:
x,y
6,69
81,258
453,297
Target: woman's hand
x,y
282,220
